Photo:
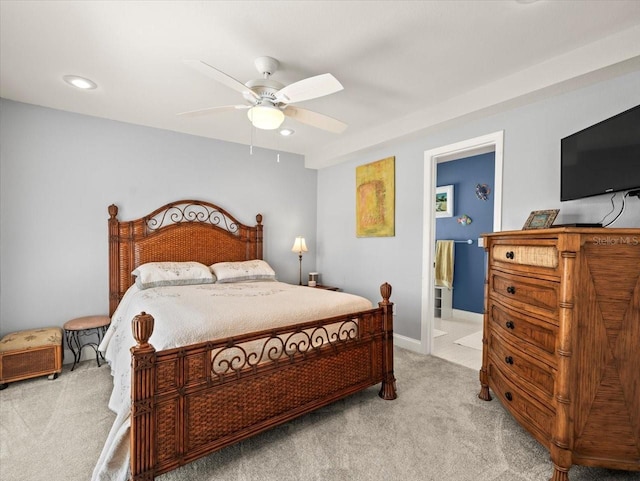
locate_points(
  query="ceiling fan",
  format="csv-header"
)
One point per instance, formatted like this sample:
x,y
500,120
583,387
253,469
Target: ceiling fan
x,y
268,101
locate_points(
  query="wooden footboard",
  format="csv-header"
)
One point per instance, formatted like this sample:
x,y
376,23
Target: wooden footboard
x,y
191,401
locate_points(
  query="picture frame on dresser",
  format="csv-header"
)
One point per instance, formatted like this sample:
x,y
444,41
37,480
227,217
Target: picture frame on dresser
x,y
540,219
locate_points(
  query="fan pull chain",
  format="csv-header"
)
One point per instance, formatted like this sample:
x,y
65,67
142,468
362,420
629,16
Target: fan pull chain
x,y
251,141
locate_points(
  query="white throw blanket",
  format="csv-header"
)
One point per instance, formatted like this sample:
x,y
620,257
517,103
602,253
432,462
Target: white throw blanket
x,y
189,314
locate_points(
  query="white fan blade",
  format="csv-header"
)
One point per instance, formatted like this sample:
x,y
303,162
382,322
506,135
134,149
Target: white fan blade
x,y
315,119
309,88
221,77
213,110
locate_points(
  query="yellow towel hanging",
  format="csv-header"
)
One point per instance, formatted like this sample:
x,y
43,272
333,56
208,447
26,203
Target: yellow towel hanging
x,y
444,263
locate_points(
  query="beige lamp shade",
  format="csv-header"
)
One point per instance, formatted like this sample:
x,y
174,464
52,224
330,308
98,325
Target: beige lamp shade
x,y
299,245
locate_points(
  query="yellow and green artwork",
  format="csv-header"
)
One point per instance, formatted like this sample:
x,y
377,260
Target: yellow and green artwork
x,y
375,199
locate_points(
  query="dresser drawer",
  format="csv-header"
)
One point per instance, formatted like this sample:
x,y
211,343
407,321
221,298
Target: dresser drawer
x,y
532,335
526,293
541,256
513,362
534,416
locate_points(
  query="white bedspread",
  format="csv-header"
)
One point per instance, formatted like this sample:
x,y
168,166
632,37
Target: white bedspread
x,y
190,314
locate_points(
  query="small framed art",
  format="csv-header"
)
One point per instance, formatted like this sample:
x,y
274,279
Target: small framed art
x,y
444,201
540,219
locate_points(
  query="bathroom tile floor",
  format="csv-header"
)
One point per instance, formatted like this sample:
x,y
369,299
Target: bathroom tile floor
x,y
446,348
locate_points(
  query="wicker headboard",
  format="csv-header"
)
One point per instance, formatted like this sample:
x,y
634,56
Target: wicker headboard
x,y
186,230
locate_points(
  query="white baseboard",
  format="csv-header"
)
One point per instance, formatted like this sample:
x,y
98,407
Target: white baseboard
x,y
87,354
407,343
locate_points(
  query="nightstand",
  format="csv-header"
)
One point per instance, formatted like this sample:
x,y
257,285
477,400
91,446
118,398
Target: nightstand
x,y
326,288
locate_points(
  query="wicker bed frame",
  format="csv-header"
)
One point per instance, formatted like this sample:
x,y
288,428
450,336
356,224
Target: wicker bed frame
x,y
188,402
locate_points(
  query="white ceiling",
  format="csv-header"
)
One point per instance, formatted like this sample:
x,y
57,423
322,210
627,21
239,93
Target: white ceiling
x,y
406,66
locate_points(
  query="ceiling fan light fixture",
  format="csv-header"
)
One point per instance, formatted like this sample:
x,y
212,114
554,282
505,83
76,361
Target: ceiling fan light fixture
x,y
265,117
268,101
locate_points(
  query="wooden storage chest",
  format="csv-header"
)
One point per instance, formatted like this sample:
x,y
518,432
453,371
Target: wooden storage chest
x,y
561,342
30,353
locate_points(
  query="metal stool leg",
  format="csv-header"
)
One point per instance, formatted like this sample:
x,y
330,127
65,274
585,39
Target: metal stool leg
x,y
72,338
76,347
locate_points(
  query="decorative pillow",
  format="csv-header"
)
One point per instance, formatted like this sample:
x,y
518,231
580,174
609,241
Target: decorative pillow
x,y
255,270
156,274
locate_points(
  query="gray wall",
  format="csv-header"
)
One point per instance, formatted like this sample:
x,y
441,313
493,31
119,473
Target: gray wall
x,y
531,181
57,166
59,171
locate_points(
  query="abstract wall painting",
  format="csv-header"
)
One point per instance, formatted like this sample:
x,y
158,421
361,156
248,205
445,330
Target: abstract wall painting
x,y
375,199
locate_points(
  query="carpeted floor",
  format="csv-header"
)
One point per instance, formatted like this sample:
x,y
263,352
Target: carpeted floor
x,y
437,430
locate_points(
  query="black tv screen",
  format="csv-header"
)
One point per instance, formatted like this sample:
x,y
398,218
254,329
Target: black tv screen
x,y
602,158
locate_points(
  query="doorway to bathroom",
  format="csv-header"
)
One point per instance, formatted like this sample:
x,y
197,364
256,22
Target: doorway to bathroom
x,y
470,172
459,269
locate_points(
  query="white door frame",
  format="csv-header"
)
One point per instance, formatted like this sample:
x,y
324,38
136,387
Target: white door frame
x,y
493,142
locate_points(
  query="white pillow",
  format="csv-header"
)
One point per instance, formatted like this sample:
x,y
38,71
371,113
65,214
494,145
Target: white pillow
x,y
156,274
255,270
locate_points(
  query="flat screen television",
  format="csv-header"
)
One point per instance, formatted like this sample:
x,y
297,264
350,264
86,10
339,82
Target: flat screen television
x,y
602,158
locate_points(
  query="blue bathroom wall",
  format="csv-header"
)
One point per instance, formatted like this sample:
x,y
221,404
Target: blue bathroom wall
x,y
464,175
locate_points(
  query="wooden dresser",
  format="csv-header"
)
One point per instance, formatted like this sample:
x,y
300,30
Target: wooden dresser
x,y
562,341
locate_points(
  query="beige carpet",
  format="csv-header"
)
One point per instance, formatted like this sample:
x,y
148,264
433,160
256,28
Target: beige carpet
x,y
437,430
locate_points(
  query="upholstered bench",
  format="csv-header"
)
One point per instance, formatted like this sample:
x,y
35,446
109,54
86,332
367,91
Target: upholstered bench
x,y
30,353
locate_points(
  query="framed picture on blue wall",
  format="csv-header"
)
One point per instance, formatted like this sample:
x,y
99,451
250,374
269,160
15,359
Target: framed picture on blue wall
x,y
444,201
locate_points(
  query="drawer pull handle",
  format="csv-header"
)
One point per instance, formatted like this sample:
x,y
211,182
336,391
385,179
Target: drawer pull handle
x,y
508,360
510,255
509,396
511,290
510,325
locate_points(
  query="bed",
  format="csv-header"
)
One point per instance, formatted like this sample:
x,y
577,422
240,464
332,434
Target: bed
x,y
189,400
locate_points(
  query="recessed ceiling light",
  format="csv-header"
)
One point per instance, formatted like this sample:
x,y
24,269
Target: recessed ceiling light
x,y
80,82
287,132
